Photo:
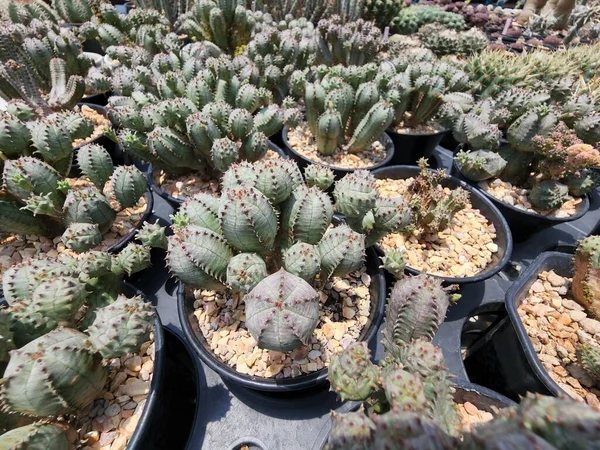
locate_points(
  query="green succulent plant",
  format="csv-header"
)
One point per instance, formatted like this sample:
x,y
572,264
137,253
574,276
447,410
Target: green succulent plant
x,y
409,20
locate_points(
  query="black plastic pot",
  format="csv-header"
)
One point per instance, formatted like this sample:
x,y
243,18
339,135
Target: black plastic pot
x,y
97,99
196,340
89,45
505,359
410,147
524,223
176,201
152,415
478,201
339,172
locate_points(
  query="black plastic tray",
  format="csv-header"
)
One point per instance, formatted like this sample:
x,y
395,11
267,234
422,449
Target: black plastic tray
x,y
228,416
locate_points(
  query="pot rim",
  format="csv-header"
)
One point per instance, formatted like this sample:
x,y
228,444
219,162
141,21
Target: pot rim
x,y
483,275
435,133
584,208
304,381
388,143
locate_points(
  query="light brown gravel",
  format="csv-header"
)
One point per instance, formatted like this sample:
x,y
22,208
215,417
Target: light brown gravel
x,y
109,422
470,416
16,248
464,249
100,123
345,308
556,324
190,184
518,198
302,141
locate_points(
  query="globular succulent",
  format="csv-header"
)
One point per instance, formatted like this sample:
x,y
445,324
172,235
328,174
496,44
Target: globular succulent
x,y
350,431
121,327
445,41
352,374
548,194
366,212
393,261
74,375
282,311
586,275
319,176
302,260
152,235
480,165
383,12
416,308
38,436
245,271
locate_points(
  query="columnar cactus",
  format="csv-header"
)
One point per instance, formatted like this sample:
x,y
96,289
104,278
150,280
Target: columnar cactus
x,y
588,356
416,308
586,275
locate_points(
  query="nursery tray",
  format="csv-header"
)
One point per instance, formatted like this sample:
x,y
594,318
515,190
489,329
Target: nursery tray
x,y
228,416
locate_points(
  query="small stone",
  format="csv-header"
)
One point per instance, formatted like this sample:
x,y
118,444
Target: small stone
x,y
117,381
120,443
471,408
577,316
590,325
348,313
537,287
555,280
571,304
314,354
592,400
273,370
107,438
130,405
137,387
112,410
134,363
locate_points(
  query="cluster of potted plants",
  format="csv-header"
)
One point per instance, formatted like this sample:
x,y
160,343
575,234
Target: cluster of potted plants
x,y
295,154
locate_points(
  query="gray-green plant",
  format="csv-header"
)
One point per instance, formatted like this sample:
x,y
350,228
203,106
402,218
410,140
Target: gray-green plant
x,y
49,301
204,118
269,235
40,200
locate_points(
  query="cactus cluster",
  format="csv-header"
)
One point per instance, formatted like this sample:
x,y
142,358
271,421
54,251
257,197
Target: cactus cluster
x,y
198,117
269,236
40,200
226,23
409,20
547,146
409,399
50,300
383,12
445,41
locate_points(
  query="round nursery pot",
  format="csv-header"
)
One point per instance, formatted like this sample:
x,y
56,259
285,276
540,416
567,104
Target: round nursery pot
x,y
176,201
152,415
505,359
478,201
524,223
410,147
339,172
194,337
97,99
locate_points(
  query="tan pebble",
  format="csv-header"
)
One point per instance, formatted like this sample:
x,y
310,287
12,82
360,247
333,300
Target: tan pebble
x,y
555,280
348,313
556,302
137,387
107,438
590,325
537,287
120,443
118,380
134,363
577,316
471,408
592,400
552,360
571,392
565,319
130,423
312,367
91,437
571,304
242,367
273,370
127,413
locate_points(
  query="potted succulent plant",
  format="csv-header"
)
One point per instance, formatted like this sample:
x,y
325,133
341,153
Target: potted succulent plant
x,y
549,344
75,321
265,258
541,177
456,233
198,121
411,399
346,118
418,87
